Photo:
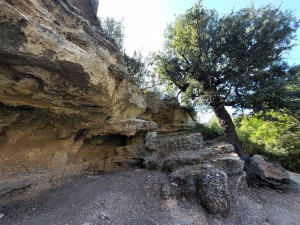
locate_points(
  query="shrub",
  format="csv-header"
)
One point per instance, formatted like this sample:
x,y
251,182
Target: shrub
x,y
274,135
209,131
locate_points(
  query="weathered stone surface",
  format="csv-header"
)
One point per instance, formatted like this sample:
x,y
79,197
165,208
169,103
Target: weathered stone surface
x,y
151,163
171,128
66,106
169,190
212,174
51,57
271,172
171,153
88,9
229,163
166,144
127,127
213,191
150,136
208,184
168,113
238,184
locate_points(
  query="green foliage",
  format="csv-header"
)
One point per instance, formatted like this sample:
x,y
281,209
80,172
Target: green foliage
x,y
233,60
209,131
137,66
139,70
273,134
215,125
114,29
292,93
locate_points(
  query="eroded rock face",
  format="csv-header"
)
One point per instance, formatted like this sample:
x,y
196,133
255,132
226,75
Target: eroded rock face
x,y
51,56
271,173
168,113
66,106
88,9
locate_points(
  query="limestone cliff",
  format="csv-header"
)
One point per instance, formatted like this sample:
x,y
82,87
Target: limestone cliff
x,y
66,106
54,58
167,113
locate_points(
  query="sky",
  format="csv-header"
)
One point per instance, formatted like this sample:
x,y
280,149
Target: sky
x,y
146,20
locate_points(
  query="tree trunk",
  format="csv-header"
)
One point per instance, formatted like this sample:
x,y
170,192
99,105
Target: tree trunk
x,y
229,130
231,137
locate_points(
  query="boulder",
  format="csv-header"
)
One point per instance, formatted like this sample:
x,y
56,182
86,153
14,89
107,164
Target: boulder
x,y
213,191
271,173
210,174
168,113
205,182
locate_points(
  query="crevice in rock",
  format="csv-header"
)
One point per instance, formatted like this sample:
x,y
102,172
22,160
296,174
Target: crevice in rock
x,y
80,135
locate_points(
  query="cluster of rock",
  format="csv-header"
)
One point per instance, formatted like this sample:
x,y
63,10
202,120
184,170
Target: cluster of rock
x,y
67,108
211,174
66,104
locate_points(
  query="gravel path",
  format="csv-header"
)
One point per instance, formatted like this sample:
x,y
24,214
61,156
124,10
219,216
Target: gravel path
x,y
132,197
295,177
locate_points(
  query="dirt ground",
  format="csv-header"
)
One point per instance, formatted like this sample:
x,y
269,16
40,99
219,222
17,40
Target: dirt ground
x,y
133,197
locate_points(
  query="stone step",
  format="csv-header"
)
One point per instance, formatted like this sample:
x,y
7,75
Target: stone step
x,y
164,145
211,186
181,159
211,174
220,155
230,163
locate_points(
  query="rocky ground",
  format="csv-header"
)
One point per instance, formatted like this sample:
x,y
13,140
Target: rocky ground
x,y
133,197
67,108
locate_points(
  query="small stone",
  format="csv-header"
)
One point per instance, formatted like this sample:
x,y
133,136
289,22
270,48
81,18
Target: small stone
x,y
147,187
150,136
174,184
103,216
1,215
86,223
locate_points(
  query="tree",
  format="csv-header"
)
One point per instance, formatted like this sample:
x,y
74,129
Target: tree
x,y
114,29
292,93
137,66
231,60
138,69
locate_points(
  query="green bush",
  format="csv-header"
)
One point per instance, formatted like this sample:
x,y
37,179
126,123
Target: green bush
x,y
209,131
274,135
